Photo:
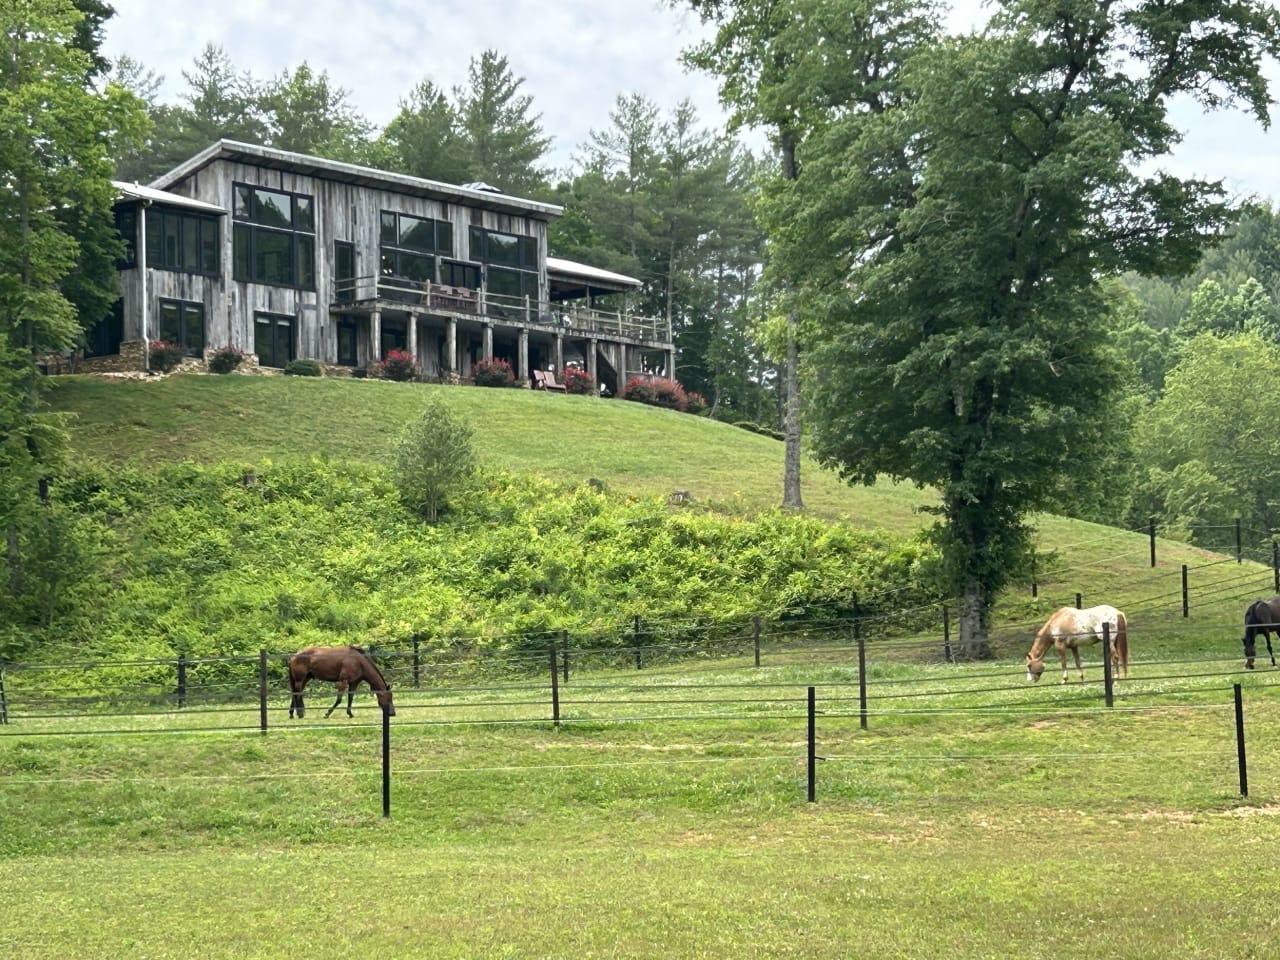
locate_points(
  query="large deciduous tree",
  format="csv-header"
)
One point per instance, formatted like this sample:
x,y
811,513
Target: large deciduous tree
x,y
957,217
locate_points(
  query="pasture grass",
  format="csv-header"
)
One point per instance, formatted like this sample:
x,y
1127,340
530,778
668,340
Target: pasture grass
x,y
1022,821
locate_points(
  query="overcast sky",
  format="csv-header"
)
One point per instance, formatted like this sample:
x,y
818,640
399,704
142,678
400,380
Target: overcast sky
x,y
576,57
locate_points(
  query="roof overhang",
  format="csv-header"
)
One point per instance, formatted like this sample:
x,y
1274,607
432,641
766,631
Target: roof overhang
x,y
133,193
305,165
570,280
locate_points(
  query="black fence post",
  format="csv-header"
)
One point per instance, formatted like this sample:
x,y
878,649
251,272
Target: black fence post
x,y
946,632
555,686
636,630
755,623
182,681
4,703
1240,757
1078,602
1151,527
1108,680
262,689
417,663
1186,607
386,762
813,746
1239,548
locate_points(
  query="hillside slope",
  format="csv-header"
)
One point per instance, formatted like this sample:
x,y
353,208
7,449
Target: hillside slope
x,y
634,450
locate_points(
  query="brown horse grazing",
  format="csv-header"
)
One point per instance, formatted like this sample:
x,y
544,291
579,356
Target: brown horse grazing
x,y
347,666
1262,617
1072,629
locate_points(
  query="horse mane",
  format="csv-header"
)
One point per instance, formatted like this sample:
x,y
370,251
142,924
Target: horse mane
x,y
373,666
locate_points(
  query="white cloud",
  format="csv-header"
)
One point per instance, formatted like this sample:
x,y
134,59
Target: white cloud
x,y
576,57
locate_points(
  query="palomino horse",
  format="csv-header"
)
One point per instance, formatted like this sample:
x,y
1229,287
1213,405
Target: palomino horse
x,y
1262,617
1072,629
347,666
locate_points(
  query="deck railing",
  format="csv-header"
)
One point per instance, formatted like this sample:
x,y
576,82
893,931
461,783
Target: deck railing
x,y
566,316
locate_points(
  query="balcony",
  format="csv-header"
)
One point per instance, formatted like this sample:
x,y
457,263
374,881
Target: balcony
x,y
362,294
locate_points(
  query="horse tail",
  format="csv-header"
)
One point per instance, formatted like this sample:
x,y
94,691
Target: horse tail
x,y
1122,641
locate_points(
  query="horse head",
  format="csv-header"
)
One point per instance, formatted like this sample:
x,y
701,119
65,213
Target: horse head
x,y
1035,667
384,701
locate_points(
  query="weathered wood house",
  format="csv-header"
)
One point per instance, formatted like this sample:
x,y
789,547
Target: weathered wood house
x,y
288,256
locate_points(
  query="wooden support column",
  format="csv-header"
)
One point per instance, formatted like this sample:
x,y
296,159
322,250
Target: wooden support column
x,y
622,366
592,345
413,338
522,373
559,354
488,341
451,348
375,336
671,363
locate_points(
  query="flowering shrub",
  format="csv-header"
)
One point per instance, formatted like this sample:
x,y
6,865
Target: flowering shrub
x,y
164,355
492,373
657,392
697,403
577,380
399,365
225,359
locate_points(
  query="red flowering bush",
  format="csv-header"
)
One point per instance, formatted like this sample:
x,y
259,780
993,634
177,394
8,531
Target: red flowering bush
x,y
658,392
492,373
225,359
399,365
577,380
697,403
164,355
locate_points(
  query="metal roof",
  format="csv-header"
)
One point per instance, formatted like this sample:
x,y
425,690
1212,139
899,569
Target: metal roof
x,y
353,173
132,191
573,270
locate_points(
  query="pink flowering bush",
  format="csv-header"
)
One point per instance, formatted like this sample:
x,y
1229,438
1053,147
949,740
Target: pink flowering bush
x,y
577,380
399,365
657,392
492,373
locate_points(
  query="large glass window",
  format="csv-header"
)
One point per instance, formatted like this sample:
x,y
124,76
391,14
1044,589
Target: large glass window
x,y
127,227
416,233
274,241
344,270
273,339
512,260
347,343
182,322
458,274
181,241
103,338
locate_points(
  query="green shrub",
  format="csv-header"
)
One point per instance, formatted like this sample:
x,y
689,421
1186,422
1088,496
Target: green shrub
x,y
304,368
433,457
225,359
492,373
164,355
764,431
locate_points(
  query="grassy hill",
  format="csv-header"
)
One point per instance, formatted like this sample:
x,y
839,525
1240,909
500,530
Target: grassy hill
x,y
634,450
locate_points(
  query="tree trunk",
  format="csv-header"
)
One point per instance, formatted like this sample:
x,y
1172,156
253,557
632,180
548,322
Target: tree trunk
x,y
791,423
791,376
975,618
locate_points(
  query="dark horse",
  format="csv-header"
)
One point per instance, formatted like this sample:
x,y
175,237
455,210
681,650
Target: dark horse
x,y
1262,617
347,666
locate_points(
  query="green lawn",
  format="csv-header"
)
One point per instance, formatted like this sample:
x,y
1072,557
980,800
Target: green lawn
x,y
1048,829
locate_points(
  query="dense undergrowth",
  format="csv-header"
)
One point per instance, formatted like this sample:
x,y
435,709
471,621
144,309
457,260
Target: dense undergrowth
x,y
230,558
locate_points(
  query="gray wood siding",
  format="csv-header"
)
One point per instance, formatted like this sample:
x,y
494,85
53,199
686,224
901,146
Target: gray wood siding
x,y
344,212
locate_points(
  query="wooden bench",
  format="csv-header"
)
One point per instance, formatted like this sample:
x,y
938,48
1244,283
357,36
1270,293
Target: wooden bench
x,y
546,380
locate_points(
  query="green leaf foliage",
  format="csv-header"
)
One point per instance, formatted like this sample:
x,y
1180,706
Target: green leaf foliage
x,y
231,558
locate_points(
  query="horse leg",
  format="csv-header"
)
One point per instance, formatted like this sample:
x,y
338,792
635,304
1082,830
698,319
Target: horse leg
x,y
1273,656
342,688
1079,665
1062,653
351,692
295,701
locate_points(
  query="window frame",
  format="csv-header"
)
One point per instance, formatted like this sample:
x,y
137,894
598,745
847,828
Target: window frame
x,y
276,320
249,225
164,223
185,308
